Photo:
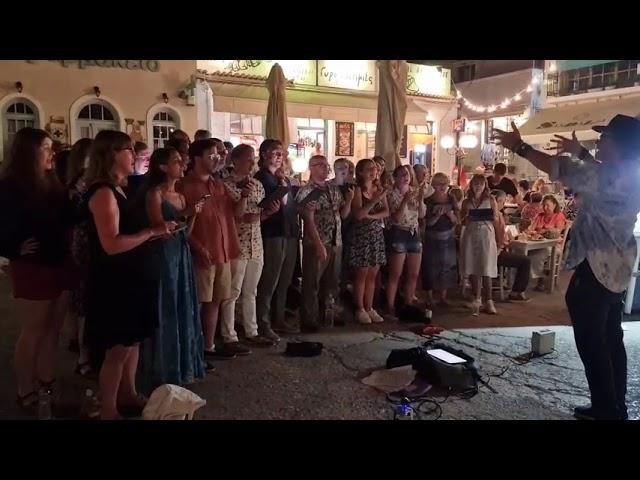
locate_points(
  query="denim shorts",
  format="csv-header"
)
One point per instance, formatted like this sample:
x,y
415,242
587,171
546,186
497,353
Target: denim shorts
x,y
403,241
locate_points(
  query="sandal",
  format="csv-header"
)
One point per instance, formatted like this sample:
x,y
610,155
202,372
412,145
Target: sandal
x,y
28,403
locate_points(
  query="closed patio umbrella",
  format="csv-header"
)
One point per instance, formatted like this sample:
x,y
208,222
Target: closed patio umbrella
x,y
277,125
392,109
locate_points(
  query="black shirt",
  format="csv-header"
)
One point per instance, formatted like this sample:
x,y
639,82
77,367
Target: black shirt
x,y
506,185
48,220
283,223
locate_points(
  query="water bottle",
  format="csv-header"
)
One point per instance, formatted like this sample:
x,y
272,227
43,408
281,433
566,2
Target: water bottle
x,y
403,411
45,406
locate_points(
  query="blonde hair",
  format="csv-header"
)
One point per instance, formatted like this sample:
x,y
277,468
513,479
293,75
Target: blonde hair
x,y
440,177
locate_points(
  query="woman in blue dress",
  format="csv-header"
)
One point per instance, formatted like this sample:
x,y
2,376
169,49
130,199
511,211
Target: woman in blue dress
x,y
175,353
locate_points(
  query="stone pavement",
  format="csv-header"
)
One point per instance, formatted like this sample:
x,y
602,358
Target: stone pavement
x,y
268,385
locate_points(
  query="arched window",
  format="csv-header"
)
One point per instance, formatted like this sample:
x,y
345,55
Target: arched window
x,y
164,122
17,115
95,117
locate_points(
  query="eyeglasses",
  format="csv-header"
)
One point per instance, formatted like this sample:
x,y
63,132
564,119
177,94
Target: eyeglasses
x,y
215,156
276,154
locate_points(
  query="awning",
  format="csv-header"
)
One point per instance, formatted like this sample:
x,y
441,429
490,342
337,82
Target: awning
x,y
349,107
563,120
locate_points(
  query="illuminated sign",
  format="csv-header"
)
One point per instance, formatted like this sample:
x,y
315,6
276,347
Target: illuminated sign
x,y
428,80
351,74
301,72
145,65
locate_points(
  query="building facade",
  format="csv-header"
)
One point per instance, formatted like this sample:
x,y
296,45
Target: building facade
x,y
75,99
331,105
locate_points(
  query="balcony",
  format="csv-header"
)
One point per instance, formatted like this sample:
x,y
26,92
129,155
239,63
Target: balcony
x,y
598,78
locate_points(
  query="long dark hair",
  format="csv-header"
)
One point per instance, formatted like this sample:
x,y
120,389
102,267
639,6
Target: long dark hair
x,y
79,153
61,166
155,175
103,153
22,165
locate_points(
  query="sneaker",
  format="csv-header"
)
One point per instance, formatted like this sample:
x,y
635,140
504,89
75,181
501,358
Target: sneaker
x,y
490,308
221,354
519,297
475,307
375,316
270,335
259,341
363,317
587,412
236,348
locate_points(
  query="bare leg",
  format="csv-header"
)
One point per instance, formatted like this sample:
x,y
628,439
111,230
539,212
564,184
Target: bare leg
x,y
475,285
127,393
47,354
396,264
359,286
414,260
370,288
486,281
110,379
209,312
34,329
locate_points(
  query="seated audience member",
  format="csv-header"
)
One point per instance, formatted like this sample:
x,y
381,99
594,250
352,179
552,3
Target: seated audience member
x,y
520,262
531,210
550,221
525,191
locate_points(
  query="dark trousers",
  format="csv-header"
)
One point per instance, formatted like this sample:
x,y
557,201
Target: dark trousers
x,y
279,263
522,264
320,282
596,314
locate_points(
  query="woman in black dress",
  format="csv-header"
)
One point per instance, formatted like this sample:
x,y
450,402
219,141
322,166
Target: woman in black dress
x,y
122,308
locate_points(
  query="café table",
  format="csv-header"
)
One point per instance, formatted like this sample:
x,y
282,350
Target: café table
x,y
525,246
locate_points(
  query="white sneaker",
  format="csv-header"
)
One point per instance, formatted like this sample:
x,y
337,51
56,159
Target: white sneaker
x,y
490,308
475,307
375,316
363,317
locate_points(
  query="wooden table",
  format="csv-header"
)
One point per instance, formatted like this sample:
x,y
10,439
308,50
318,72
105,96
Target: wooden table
x,y
526,246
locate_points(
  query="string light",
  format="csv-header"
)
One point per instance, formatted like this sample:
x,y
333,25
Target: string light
x,y
504,104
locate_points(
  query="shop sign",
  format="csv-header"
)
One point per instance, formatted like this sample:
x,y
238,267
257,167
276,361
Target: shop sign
x,y
428,80
301,72
351,74
145,65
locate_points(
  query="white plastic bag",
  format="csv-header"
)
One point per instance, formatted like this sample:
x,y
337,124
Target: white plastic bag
x,y
171,402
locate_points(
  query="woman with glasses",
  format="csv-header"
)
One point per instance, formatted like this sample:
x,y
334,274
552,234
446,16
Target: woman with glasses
x,y
122,273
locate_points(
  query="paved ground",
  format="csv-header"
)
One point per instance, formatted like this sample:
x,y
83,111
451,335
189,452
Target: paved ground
x,y
268,385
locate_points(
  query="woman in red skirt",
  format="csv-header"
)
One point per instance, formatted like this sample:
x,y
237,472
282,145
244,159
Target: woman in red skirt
x,y
35,221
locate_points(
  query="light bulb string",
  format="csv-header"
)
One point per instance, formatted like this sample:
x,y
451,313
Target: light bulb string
x,y
516,97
